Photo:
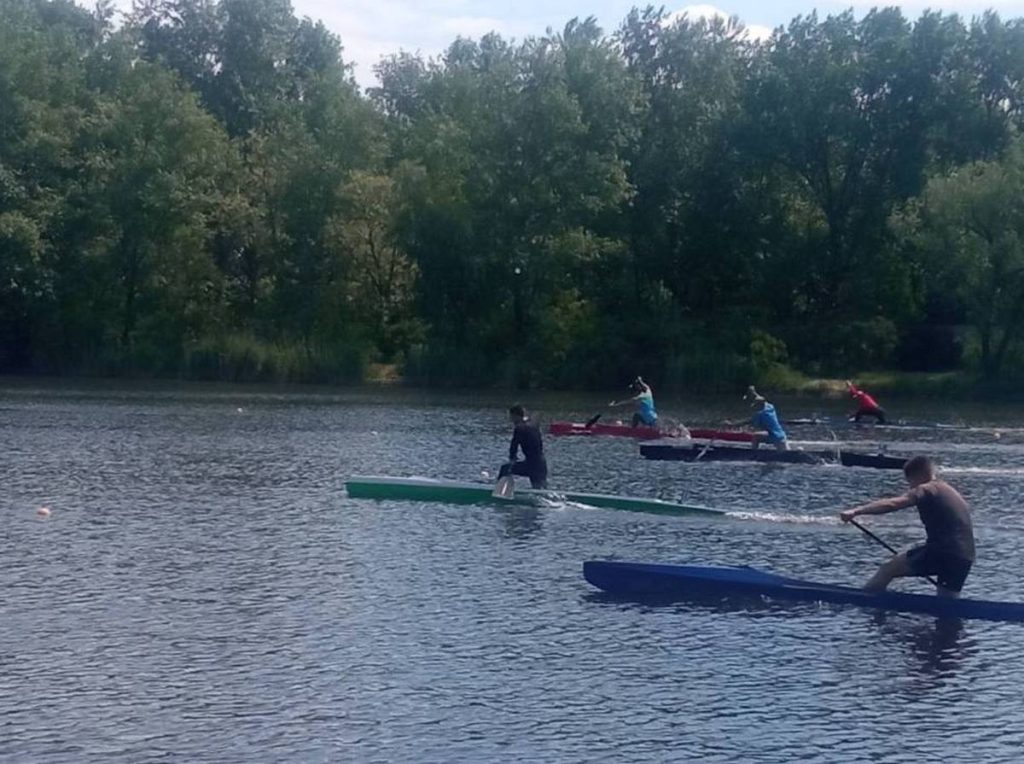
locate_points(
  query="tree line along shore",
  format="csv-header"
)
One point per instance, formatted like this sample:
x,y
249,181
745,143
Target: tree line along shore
x,y
200,190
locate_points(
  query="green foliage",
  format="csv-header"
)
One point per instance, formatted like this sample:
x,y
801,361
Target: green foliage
x,y
768,357
244,358
383,277
205,191
967,229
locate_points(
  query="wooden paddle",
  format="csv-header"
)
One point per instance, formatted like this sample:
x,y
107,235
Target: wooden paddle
x,y
929,579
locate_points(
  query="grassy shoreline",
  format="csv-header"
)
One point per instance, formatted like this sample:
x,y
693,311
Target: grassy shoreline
x,y
959,385
955,385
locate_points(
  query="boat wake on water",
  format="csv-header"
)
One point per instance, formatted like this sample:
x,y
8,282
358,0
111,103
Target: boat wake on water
x,y
557,501
997,471
774,517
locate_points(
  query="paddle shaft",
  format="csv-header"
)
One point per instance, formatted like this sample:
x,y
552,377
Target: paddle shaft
x,y
868,533
872,535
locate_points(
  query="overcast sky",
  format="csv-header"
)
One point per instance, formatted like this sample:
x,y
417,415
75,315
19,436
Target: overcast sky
x,y
370,29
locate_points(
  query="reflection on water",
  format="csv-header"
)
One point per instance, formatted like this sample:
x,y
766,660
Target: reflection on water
x,y
521,522
938,647
205,591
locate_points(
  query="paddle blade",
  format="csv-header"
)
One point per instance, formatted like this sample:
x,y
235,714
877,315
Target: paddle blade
x,y
592,421
505,488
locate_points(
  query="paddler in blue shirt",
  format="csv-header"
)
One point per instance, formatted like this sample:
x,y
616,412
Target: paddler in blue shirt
x,y
644,399
766,419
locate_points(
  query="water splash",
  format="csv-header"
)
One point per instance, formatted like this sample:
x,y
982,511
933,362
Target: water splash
x,y
773,517
1004,471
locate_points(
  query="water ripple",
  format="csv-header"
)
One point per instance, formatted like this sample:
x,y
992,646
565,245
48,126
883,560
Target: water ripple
x,y
204,591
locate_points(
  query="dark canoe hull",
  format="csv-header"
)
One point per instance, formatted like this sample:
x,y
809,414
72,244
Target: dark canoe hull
x,y
875,461
726,436
669,449
453,492
674,582
842,423
627,431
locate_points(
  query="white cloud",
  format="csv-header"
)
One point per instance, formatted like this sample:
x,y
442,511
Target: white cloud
x,y
753,31
472,26
912,9
371,29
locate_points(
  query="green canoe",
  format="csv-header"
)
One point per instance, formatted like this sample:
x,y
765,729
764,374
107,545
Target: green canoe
x,y
452,492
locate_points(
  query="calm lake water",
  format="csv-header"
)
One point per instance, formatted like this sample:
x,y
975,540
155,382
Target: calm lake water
x,y
205,591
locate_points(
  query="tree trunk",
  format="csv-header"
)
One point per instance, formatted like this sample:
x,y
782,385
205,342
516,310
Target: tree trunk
x,y
1010,333
131,278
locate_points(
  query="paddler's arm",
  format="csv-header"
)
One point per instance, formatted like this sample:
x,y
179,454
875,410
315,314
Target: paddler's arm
x,y
879,507
514,446
854,392
623,403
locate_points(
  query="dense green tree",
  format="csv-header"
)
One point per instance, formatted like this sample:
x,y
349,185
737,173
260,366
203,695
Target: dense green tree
x,y
827,108
45,103
520,147
696,220
204,190
967,231
848,111
383,277
156,170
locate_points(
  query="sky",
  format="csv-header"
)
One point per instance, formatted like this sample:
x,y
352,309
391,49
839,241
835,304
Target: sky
x,y
370,29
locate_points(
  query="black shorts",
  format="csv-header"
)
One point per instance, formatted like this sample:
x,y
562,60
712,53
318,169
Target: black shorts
x,y
950,571
878,413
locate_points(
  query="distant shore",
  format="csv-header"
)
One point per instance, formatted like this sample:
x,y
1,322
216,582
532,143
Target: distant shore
x,y
958,385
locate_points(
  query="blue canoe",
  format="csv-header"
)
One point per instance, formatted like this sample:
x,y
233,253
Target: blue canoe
x,y
647,580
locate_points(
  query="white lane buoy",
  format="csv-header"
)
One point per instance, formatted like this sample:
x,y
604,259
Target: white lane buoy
x,y
43,512
485,474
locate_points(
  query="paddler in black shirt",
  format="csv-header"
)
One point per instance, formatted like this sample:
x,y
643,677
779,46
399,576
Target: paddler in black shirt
x,y
948,552
525,436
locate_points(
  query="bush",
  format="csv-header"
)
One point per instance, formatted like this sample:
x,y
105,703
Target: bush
x,y
840,347
765,350
244,358
708,370
437,363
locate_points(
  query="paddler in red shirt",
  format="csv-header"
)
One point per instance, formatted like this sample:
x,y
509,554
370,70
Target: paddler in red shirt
x,y
866,405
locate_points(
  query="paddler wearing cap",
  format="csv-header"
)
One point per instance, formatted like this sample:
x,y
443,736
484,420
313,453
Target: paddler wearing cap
x,y
766,419
644,399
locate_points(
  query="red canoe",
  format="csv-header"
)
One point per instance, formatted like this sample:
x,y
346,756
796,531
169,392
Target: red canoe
x,y
628,431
